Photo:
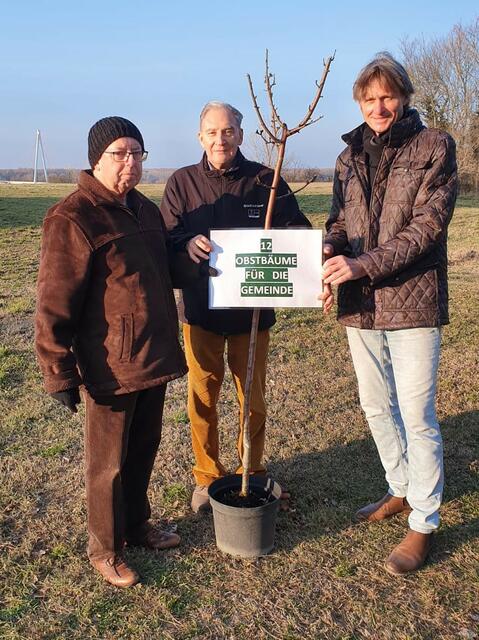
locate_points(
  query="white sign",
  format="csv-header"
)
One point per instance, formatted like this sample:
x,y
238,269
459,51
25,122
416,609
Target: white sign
x,y
259,268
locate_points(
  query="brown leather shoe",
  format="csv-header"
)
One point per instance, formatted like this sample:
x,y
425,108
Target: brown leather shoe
x,y
385,508
200,500
284,499
410,554
116,571
153,538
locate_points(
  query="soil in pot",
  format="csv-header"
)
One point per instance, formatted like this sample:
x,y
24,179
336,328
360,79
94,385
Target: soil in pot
x,y
257,497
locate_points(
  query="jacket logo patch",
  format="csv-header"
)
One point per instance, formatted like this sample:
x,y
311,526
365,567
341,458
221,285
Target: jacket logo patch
x,y
253,210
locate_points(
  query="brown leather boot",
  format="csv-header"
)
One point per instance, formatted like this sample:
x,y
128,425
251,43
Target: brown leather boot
x,y
410,554
154,538
116,571
385,508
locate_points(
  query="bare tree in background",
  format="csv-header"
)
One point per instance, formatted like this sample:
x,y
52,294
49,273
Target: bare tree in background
x,y
445,75
267,154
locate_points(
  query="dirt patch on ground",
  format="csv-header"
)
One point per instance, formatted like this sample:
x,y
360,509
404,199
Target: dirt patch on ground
x,y
461,257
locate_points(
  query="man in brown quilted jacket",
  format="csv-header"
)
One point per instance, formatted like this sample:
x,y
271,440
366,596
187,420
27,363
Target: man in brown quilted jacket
x,y
106,320
393,198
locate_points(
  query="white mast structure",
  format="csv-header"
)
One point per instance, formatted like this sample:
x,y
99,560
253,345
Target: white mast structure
x,y
39,146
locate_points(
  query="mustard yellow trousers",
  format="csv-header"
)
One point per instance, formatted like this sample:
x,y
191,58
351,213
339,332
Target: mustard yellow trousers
x,y
205,357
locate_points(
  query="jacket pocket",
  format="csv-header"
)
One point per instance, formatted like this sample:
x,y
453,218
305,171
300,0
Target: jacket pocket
x,y
126,337
406,166
411,291
405,179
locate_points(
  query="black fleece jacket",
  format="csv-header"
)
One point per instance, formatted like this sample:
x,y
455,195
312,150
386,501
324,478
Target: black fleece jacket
x,y
198,199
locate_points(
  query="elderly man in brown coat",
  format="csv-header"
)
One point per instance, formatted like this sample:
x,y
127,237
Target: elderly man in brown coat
x,y
394,194
106,319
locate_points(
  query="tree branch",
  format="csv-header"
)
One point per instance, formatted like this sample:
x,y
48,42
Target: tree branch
x,y
291,193
269,90
307,118
307,124
258,112
260,133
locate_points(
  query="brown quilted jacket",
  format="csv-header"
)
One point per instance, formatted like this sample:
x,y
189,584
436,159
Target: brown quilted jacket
x,y
397,229
106,314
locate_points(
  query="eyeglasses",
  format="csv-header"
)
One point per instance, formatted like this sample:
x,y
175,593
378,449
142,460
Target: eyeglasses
x,y
124,156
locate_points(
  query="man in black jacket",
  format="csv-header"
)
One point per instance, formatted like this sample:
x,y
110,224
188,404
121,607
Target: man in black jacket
x,y
222,191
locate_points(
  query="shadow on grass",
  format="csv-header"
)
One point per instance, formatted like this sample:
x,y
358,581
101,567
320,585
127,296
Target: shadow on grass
x,y
328,486
318,482
461,454
467,200
24,212
18,212
314,203
449,539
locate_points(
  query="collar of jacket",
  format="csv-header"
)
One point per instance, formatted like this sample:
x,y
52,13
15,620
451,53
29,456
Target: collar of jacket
x,y
98,194
399,133
232,173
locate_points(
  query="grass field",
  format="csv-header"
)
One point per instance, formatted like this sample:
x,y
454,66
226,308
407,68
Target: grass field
x,y
325,578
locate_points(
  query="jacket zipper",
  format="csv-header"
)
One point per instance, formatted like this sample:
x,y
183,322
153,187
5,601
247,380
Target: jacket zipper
x,y
223,183
366,289
371,199
142,229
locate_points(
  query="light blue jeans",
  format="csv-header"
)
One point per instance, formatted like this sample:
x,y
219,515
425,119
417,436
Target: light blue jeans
x,y
396,372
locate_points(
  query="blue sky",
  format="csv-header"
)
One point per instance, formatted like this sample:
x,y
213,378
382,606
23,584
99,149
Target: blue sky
x,y
65,65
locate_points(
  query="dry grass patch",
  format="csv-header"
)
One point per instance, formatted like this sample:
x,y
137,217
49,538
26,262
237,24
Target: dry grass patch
x,y
325,578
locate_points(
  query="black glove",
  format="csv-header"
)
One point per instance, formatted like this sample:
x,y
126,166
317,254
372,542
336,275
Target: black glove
x,y
206,270
68,398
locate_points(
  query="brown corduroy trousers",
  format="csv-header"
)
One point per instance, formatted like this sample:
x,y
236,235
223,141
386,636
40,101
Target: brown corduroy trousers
x,y
205,357
122,435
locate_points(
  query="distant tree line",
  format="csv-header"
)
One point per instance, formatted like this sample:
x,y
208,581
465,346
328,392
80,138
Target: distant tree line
x,y
25,174
258,149
70,176
304,174
150,176
445,75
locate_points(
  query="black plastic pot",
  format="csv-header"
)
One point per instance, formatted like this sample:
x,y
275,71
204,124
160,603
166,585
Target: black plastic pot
x,y
247,532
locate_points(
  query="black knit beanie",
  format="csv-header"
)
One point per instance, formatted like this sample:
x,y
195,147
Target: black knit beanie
x,y
106,131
